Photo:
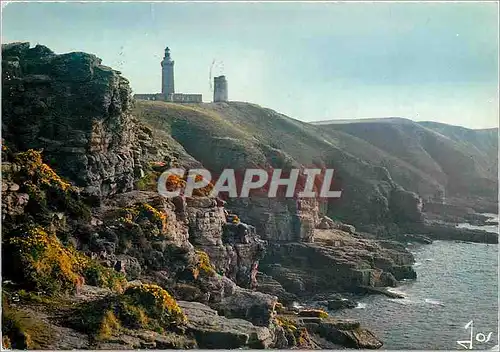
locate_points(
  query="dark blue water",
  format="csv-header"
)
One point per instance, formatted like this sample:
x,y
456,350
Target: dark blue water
x,y
457,283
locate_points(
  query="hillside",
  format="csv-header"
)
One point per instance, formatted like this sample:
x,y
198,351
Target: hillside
x,y
438,162
463,162
95,258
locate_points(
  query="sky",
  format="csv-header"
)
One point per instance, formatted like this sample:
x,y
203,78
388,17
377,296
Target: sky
x,y
311,61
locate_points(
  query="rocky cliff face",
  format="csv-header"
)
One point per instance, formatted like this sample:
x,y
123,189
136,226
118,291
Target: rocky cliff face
x,y
79,113
235,249
280,219
75,109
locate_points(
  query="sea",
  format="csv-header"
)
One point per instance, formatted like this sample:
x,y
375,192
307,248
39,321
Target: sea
x,y
452,305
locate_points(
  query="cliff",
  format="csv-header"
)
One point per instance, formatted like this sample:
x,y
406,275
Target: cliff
x,y
94,257
390,171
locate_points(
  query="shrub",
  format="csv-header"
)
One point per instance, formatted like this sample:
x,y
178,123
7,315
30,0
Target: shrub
x,y
296,337
204,191
157,303
143,212
139,307
42,263
174,183
132,316
204,266
148,182
97,275
33,166
109,325
45,188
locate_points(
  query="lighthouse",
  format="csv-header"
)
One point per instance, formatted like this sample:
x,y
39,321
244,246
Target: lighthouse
x,y
167,76
168,93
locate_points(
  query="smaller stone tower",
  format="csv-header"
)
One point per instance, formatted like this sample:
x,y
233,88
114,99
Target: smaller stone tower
x,y
220,89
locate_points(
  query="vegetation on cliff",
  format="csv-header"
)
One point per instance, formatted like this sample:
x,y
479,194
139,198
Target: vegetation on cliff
x,y
36,256
39,262
21,330
143,306
295,336
46,190
204,266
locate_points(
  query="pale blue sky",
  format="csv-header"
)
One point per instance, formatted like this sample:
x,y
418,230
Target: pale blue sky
x,y
312,61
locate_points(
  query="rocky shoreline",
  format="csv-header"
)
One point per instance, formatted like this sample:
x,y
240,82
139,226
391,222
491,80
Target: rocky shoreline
x,y
96,258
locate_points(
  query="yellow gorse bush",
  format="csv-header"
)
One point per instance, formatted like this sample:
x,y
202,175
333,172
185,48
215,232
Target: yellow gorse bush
x,y
157,302
49,266
144,211
45,262
203,266
109,325
296,336
47,191
31,163
175,182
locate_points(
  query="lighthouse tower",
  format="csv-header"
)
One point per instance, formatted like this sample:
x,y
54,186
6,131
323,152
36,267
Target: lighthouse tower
x,y
167,76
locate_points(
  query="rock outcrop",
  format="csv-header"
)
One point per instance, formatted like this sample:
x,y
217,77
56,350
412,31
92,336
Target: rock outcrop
x,y
234,248
406,206
345,333
75,109
337,262
214,331
280,219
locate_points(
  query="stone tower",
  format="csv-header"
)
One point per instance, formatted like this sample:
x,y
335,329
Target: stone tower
x,y
167,75
220,89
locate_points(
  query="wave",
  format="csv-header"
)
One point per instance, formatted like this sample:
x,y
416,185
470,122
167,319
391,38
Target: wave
x,y
417,264
360,306
403,302
433,301
396,291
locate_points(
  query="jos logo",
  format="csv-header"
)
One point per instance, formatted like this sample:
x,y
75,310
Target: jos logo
x,y
479,337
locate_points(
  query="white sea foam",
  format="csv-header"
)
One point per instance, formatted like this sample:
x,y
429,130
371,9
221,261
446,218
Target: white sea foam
x,y
433,301
361,305
396,291
403,302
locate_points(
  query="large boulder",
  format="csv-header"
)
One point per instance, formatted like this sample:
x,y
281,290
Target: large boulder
x,y
214,331
346,333
253,306
405,206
